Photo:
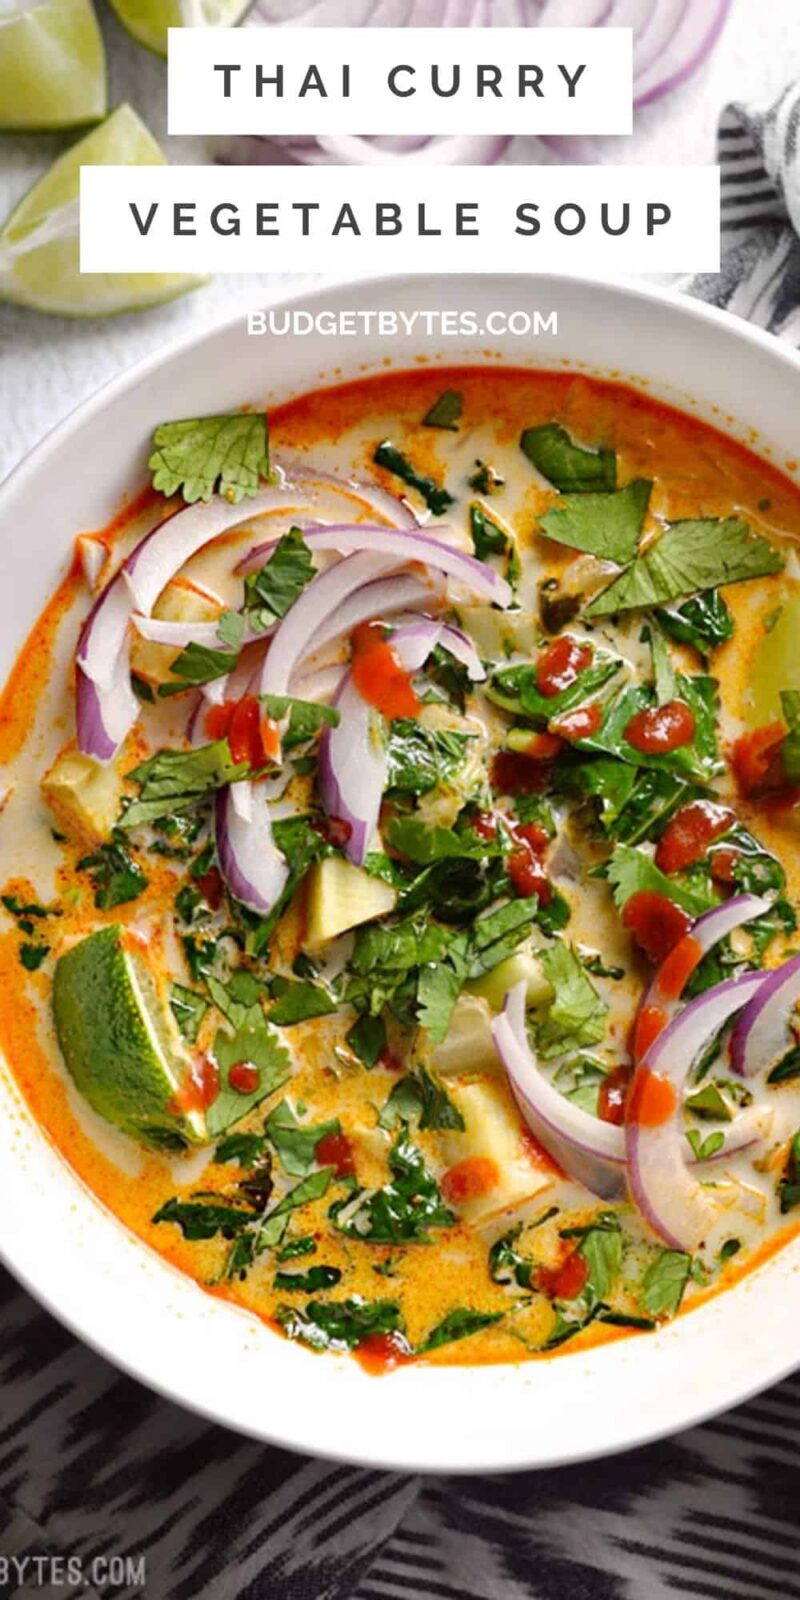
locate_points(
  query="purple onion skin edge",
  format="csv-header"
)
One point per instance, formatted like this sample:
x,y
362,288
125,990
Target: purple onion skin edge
x,y
93,738
356,847
751,1013
239,885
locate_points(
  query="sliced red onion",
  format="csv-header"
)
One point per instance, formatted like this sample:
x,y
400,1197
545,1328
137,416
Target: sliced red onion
x,y
588,1150
404,547
321,686
383,598
297,631
416,641
707,931
763,1034
253,868
695,35
352,769
93,555
446,150
104,715
674,1203
396,513
178,635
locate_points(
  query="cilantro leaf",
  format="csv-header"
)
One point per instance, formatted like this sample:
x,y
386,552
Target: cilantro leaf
x,y
445,412
273,590
340,1324
631,871
198,663
419,1095
689,556
419,758
606,525
704,621
308,1282
367,1039
253,1042
176,780
115,876
296,1142
426,845
204,1219
269,1231
306,717
32,955
568,466
196,455
299,1001
664,1283
459,1324
789,1186
436,498
403,1211
576,1016
487,538
516,688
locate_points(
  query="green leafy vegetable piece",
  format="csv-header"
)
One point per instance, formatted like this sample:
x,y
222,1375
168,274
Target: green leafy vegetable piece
x,y
631,871
450,676
703,1149
253,1042
689,557
340,1324
176,780
367,1039
403,1211
296,1142
198,663
576,1016
419,1095
204,1219
488,539
305,717
299,1001
664,1283
664,676
419,758
436,498
704,621
516,688
310,1282
506,1265
605,525
293,1248
197,455
244,1148
116,877
789,1186
445,412
425,845
568,466
188,1009
459,1324
788,1068
32,955
268,1233
484,480
790,749
272,591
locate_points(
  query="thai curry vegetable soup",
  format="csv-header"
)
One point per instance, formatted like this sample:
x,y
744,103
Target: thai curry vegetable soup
x,y
400,866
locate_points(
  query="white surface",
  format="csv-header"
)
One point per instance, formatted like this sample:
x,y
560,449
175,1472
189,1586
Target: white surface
x,y
48,365
122,1298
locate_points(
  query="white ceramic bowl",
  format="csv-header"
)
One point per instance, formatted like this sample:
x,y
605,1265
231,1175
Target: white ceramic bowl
x,y
75,1257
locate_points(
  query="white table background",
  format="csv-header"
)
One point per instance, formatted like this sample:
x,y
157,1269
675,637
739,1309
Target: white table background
x,y
49,364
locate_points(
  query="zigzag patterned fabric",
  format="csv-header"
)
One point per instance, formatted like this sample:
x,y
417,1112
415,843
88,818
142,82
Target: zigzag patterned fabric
x,y
93,1464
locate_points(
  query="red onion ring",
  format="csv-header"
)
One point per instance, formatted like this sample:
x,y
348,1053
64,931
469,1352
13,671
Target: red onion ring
x,y
401,546
762,1034
675,1204
707,931
352,769
253,868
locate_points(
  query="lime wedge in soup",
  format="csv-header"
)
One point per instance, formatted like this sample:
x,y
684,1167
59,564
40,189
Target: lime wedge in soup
x,y
147,21
52,64
121,1043
39,255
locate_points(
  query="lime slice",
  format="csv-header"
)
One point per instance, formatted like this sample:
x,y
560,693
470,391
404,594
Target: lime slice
x,y
39,265
52,64
147,21
121,1042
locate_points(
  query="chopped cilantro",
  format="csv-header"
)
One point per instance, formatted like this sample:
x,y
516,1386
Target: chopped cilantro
x,y
116,876
605,525
568,466
436,498
688,557
273,590
198,454
445,412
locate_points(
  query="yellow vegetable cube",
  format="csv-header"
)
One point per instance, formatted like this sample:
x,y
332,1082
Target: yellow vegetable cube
x,y
84,796
341,896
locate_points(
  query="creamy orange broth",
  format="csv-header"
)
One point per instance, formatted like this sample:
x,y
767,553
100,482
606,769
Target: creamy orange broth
x,y
697,472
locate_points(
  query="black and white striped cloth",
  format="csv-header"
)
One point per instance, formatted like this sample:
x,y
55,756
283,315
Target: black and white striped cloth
x,y
92,1465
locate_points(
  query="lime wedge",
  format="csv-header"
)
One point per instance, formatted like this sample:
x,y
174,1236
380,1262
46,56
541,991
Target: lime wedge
x,y
39,265
121,1043
52,64
147,21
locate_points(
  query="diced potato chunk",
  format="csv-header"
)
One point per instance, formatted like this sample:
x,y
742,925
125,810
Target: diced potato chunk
x,y
181,601
468,1045
84,796
519,968
341,896
494,1134
496,632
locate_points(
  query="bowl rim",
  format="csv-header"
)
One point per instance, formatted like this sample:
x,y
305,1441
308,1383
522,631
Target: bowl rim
x,y
632,1430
